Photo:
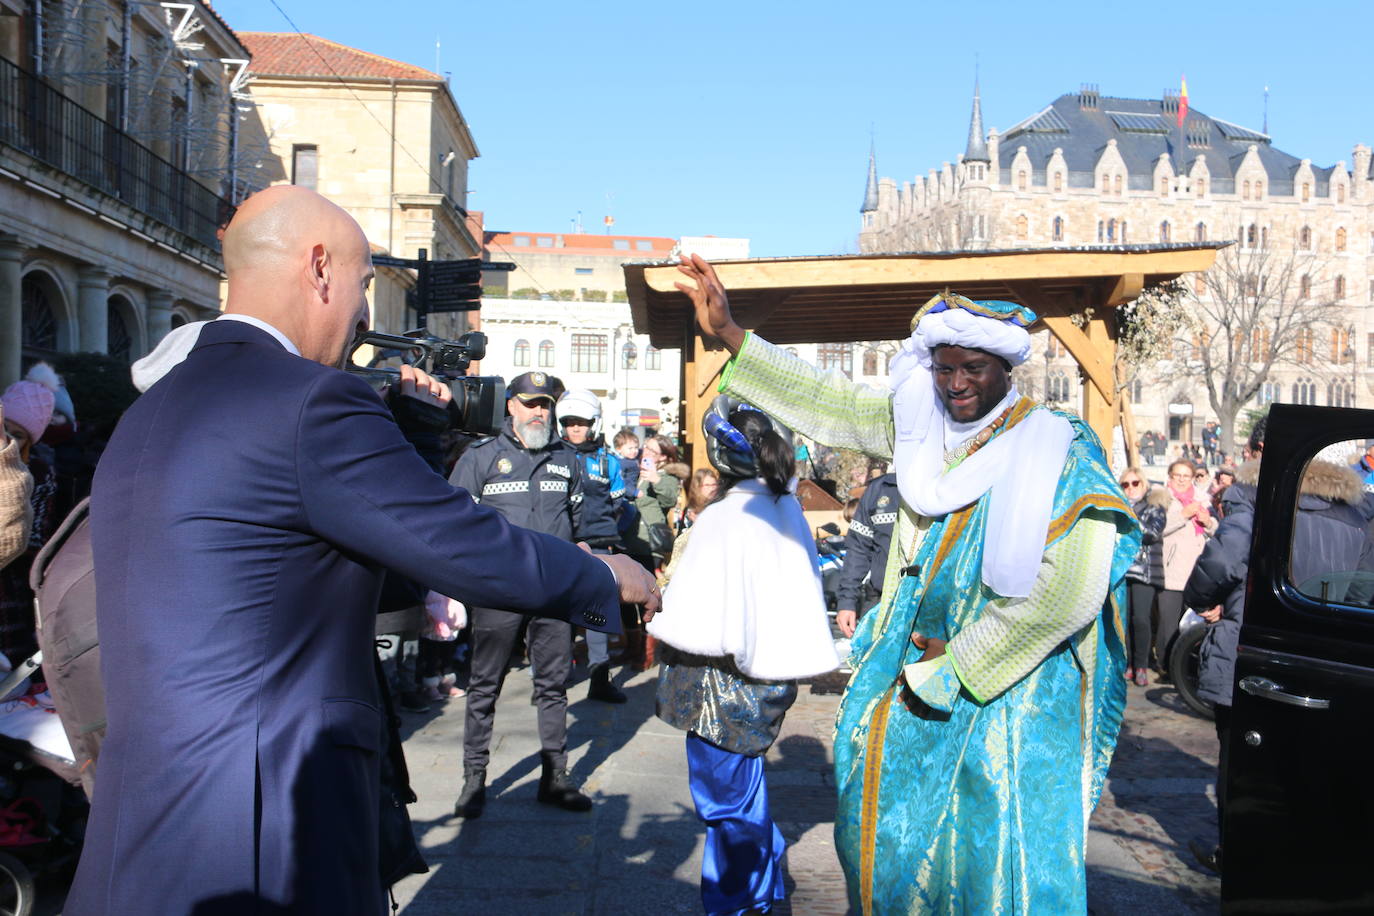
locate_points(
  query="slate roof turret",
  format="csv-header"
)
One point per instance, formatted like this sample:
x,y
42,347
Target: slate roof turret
x,y
977,149
871,191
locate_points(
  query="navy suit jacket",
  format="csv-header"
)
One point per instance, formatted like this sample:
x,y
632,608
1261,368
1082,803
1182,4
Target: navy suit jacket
x,y
241,519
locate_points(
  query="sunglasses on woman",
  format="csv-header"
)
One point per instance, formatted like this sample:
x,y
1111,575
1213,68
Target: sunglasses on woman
x,y
1127,484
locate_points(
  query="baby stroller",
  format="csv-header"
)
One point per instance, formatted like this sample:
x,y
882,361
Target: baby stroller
x,y
46,760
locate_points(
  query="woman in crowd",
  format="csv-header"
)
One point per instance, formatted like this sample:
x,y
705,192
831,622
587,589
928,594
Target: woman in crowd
x,y
28,408
743,618
1186,528
701,492
1146,574
660,480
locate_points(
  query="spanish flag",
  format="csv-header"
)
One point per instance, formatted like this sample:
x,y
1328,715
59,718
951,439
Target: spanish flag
x,y
1183,102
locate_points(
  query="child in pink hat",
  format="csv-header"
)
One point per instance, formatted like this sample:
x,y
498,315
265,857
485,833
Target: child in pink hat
x,y
28,410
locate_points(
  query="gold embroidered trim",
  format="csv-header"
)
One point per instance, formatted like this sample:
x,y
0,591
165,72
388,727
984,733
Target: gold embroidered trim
x,y
868,810
1059,526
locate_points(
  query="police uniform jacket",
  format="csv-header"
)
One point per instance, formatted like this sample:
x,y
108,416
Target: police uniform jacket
x,y
541,490
867,542
603,490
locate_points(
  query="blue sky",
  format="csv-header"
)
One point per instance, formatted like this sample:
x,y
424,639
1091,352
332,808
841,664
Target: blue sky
x,y
752,118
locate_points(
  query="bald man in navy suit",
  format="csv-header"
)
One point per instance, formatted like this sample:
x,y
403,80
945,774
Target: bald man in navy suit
x,y
242,518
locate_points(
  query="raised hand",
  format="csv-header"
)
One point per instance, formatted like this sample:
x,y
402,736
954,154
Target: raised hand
x,y
710,302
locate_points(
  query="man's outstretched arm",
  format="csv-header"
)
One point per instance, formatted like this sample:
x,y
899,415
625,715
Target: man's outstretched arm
x,y
824,406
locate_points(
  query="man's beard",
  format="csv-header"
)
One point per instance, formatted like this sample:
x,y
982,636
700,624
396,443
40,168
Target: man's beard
x,y
533,433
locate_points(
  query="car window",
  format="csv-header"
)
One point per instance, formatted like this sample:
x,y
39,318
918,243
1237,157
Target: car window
x,y
1331,558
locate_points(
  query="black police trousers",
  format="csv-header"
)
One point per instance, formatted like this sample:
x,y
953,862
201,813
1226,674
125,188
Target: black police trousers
x,y
550,646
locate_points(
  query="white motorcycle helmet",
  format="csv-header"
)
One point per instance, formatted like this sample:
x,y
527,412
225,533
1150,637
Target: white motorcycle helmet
x,y
581,403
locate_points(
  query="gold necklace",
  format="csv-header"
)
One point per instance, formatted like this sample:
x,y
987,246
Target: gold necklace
x,y
977,440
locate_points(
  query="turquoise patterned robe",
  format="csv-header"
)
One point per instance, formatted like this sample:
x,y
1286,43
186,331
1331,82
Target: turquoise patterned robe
x,y
980,806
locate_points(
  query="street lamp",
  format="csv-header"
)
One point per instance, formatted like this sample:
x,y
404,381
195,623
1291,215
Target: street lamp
x,y
1048,399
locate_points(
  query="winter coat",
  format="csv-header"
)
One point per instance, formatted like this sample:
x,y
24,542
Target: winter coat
x,y
603,491
1151,509
1183,543
540,489
654,501
1329,535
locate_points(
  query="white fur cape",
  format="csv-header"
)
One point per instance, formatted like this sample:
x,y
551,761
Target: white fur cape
x,y
747,585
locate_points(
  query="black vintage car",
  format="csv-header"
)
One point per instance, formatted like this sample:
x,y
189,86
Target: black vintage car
x,y
1299,826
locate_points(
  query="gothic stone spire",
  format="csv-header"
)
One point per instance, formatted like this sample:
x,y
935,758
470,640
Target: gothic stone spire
x,y
871,191
977,150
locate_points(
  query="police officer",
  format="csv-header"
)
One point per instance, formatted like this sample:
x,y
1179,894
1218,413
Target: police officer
x,y
865,552
531,477
603,495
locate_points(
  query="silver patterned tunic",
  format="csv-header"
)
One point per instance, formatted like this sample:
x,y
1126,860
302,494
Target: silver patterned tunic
x,y
709,697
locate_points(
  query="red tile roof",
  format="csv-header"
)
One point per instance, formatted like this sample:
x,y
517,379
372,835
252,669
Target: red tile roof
x,y
292,54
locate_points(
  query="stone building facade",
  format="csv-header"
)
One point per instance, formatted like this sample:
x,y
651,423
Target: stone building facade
x,y
1098,170
118,151
384,140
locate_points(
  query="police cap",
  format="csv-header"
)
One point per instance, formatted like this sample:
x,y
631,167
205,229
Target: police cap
x,y
531,386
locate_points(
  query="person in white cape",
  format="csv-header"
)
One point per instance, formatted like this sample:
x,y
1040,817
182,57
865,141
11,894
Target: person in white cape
x,y
744,619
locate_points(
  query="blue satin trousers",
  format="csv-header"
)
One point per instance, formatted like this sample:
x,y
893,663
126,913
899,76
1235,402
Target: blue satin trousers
x,y
741,867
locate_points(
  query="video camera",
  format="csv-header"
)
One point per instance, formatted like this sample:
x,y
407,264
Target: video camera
x,y
479,404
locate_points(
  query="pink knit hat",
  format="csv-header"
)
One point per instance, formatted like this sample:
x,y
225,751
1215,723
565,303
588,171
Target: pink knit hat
x,y
30,405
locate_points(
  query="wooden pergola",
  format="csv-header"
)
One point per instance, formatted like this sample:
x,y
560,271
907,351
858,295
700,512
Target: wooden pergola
x,y
844,299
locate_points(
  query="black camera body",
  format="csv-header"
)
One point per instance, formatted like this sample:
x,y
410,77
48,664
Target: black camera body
x,y
479,401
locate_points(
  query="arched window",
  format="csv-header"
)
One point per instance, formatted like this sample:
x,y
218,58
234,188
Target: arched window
x,y
1106,183
1304,391
1251,236
1058,181
1099,230
1202,187
1245,191
1305,287
1123,232
1259,190
1022,226
1163,185
120,343
1306,346
1338,287
1306,191
1340,239
653,357
1340,193
39,330
629,355
1057,390
1137,392
1164,231
870,361
1200,232
546,354
1058,230
1021,180
522,352
1199,284
1117,182
1264,237
1305,238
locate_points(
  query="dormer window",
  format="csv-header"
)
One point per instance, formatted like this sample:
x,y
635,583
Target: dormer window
x,y
1058,181
1306,191
1245,190
1340,193
1021,180
1259,190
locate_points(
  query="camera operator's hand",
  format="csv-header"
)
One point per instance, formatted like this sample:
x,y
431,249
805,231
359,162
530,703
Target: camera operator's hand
x,y
423,387
637,584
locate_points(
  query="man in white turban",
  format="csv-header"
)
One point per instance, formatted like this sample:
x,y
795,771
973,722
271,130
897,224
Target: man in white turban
x,y
974,736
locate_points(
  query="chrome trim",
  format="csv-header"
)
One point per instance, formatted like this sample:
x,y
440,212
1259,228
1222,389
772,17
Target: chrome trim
x,y
1263,687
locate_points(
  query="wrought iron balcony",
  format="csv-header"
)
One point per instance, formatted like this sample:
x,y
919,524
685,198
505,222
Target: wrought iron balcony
x,y
42,122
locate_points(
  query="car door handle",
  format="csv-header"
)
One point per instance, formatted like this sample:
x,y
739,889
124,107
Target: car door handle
x,y
1263,687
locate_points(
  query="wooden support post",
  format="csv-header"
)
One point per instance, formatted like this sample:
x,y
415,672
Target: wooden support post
x,y
1099,407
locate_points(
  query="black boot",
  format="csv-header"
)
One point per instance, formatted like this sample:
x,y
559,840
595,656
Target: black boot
x,y
601,688
556,787
474,795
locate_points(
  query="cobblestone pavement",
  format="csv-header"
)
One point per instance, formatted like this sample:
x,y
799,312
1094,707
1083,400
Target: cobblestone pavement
x,y
639,849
